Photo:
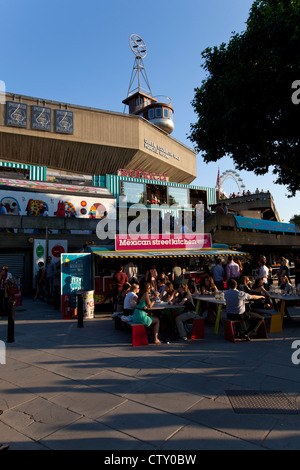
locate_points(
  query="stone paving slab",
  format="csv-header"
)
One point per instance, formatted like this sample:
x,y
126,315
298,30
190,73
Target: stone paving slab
x,y
65,387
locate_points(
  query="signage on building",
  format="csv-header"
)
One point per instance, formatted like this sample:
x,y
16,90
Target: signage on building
x,y
148,242
147,175
148,144
64,121
41,118
16,114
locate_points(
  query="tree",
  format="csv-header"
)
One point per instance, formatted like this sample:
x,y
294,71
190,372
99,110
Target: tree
x,y
245,106
295,219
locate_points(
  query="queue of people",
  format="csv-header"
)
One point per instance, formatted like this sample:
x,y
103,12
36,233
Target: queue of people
x,y
135,299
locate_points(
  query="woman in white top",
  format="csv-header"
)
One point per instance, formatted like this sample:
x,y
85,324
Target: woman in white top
x,y
131,299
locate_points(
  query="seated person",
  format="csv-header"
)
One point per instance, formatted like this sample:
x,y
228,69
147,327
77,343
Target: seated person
x,y
183,297
208,288
140,316
235,309
245,284
258,289
193,287
121,296
131,299
285,285
161,286
168,293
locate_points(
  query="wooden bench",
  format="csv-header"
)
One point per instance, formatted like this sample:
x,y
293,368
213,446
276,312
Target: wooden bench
x,y
276,319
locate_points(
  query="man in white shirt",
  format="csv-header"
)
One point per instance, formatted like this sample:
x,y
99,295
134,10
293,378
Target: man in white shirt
x,y
236,309
263,272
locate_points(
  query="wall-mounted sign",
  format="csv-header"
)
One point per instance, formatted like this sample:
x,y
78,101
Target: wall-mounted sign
x,y
41,118
148,144
162,242
64,121
16,114
147,175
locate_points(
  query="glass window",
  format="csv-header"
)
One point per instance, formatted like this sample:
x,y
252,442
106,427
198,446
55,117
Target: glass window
x,y
171,115
158,112
151,113
133,191
146,102
178,196
166,114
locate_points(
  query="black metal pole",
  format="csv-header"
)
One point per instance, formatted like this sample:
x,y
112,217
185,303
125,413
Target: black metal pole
x,y
11,322
79,311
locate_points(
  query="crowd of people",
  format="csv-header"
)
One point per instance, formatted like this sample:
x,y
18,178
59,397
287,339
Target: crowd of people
x,y
135,294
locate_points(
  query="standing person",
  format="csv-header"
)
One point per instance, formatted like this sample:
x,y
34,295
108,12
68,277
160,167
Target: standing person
x,y
3,211
283,270
218,274
40,281
232,270
225,208
140,316
6,281
176,275
119,279
263,272
50,272
235,308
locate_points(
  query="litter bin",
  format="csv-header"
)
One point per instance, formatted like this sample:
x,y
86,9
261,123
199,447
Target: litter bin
x,y
88,304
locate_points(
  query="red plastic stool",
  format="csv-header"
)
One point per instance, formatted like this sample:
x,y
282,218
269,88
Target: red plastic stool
x,y
228,329
262,331
198,329
139,336
229,332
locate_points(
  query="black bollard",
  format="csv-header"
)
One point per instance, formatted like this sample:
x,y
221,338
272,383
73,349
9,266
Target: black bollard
x,y
11,322
79,311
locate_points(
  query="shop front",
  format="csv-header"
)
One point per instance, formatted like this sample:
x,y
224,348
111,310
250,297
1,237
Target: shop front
x,y
194,262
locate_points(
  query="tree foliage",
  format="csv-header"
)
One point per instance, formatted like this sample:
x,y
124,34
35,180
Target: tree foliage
x,y
244,106
295,219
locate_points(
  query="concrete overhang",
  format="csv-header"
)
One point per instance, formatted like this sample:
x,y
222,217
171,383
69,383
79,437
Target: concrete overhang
x,y
101,143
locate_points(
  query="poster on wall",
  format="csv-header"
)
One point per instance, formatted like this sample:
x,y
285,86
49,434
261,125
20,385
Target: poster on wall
x,y
56,248
75,274
16,114
39,254
41,118
64,121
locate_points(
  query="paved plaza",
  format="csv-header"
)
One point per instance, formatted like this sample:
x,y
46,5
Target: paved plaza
x,y
65,387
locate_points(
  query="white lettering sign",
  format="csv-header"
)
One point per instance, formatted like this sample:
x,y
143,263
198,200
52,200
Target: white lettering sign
x,y
148,144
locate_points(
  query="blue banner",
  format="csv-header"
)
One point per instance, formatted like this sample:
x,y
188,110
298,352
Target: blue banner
x,y
267,225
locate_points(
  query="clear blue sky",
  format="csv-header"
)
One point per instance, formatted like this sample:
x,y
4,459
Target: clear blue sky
x,y
78,52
